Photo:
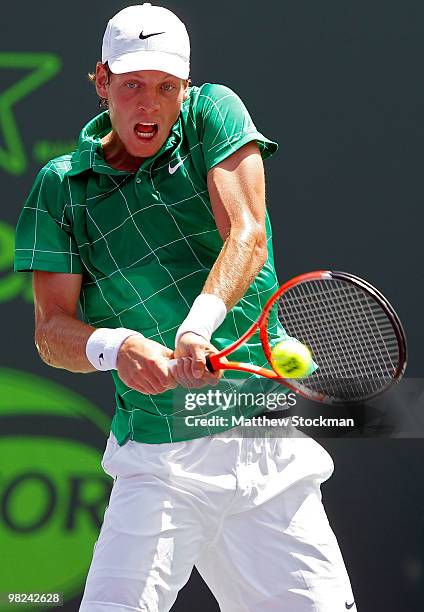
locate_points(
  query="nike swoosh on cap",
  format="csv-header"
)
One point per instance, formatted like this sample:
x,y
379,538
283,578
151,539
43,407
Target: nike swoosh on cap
x,y
144,36
349,606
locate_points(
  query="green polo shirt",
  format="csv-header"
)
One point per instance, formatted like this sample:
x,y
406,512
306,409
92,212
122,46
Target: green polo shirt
x,y
145,242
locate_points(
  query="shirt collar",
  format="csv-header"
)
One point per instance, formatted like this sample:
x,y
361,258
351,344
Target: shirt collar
x,y
89,155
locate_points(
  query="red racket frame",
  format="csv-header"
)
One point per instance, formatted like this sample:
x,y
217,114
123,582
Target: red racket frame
x,y
214,362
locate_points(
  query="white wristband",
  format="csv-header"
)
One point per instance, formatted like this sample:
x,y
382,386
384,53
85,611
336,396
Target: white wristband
x,y
103,346
206,315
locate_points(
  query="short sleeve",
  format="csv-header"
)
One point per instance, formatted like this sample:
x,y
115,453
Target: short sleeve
x,y
226,125
44,239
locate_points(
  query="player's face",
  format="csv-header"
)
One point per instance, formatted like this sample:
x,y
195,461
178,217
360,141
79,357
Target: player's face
x,y
143,107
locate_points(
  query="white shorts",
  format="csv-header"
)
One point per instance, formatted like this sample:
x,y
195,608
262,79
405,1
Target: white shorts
x,y
246,512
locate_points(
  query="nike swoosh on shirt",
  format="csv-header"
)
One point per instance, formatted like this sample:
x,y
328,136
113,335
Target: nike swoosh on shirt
x,y
349,606
172,169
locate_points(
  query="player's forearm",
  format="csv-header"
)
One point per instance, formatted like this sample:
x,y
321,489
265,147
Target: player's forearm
x,y
61,342
237,192
240,261
236,189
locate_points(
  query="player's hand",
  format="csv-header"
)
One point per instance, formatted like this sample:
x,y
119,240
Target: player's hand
x,y
191,370
143,365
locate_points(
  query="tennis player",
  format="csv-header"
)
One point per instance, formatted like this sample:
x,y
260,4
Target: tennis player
x,y
156,226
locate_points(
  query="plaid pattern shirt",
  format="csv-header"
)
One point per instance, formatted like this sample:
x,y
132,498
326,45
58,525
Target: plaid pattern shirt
x,y
145,242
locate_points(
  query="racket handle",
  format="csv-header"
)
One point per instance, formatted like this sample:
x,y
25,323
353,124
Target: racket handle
x,y
173,362
209,365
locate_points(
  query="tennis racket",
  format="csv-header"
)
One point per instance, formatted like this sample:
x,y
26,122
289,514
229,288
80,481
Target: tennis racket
x,y
354,334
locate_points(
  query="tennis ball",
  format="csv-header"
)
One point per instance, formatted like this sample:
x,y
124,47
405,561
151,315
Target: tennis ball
x,y
291,359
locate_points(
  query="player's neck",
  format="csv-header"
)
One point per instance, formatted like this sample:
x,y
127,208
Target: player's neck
x,y
117,156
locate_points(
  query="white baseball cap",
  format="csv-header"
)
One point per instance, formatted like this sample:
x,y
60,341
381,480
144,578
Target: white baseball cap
x,y
146,37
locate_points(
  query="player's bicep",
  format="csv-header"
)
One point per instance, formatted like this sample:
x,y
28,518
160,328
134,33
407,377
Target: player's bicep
x,y
55,292
237,191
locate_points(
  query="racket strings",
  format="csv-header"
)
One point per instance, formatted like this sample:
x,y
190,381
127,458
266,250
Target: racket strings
x,y
333,358
351,337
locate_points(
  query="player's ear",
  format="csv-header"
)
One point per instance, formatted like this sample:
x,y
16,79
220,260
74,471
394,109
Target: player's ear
x,y
186,84
102,80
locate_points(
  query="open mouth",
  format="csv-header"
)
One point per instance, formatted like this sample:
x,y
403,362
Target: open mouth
x,y
146,131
